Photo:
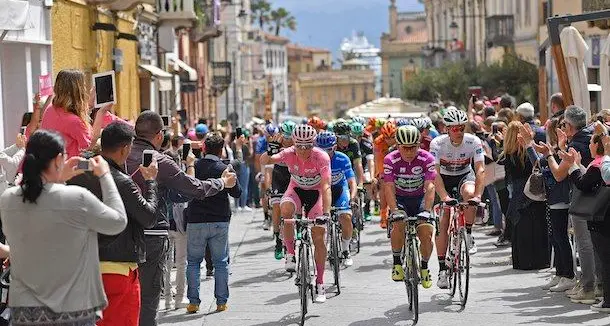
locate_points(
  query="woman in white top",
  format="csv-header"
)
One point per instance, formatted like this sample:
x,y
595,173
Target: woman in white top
x,y
52,230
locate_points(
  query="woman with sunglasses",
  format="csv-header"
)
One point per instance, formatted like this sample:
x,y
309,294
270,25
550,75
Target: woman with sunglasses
x,y
309,187
453,154
409,174
343,189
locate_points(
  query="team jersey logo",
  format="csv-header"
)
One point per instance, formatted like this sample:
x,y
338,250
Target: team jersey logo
x,y
417,170
337,177
307,182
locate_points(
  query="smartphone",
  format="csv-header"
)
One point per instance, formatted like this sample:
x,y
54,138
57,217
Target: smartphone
x,y
494,129
473,98
238,132
197,152
83,165
105,88
230,168
186,149
147,157
26,119
166,120
23,129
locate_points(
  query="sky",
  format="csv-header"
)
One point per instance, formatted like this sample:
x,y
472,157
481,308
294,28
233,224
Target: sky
x,y
324,23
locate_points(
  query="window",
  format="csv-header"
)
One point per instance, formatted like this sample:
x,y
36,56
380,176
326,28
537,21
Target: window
x,y
408,29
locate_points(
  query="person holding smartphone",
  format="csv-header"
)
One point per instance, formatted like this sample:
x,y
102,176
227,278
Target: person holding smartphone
x,y
149,136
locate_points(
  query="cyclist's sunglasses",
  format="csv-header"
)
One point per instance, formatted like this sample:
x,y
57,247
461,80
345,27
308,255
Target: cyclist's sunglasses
x,y
304,147
457,128
343,137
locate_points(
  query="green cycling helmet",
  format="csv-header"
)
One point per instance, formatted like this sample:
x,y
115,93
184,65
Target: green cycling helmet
x,y
287,128
357,129
330,126
342,128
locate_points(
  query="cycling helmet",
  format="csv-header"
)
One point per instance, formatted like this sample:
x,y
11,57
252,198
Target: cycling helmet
x,y
380,123
330,126
287,128
419,123
359,119
326,140
402,122
316,122
388,129
357,129
271,129
407,135
341,128
454,117
304,135
428,122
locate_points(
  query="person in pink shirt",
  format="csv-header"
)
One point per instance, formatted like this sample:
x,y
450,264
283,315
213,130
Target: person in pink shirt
x,y
68,113
309,187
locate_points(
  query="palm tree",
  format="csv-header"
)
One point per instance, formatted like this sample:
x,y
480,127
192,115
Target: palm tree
x,y
260,11
282,18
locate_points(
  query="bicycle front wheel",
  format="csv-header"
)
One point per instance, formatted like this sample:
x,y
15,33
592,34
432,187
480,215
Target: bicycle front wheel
x,y
305,283
463,268
412,281
335,260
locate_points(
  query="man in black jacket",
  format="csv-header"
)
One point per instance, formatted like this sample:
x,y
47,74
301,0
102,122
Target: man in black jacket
x,y
120,254
149,136
208,226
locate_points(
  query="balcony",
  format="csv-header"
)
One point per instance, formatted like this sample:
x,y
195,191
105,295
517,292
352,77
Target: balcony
x,y
120,5
182,12
500,30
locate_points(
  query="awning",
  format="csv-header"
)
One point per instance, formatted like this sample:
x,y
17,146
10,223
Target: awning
x,y
163,78
182,65
574,51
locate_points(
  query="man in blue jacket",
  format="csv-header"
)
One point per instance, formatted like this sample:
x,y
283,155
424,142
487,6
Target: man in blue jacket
x,y
208,225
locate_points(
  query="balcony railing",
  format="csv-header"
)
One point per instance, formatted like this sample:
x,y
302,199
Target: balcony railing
x,y
120,5
176,10
500,30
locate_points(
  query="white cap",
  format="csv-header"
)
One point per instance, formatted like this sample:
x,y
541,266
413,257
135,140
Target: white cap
x,y
526,110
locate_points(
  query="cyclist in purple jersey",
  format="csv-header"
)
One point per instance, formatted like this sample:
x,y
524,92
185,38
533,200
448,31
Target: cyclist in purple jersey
x,y
409,175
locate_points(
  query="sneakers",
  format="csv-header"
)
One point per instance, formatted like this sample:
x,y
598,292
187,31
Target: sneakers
x,y
367,216
239,209
180,304
599,307
347,259
563,285
169,302
426,279
472,247
599,292
266,224
291,263
192,308
398,273
494,233
443,280
279,251
320,294
221,307
585,297
502,242
247,209
574,290
553,282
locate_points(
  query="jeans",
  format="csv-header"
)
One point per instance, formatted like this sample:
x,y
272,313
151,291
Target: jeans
x,y
151,277
590,271
177,242
244,179
496,210
601,244
216,237
559,239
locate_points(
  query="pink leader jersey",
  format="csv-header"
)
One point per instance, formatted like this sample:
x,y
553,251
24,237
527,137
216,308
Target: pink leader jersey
x,y
76,133
306,174
409,178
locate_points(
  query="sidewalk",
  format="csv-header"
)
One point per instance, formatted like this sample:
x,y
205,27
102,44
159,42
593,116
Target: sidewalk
x,y
263,295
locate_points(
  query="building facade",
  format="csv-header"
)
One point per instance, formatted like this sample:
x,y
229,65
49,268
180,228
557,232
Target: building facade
x,y
401,49
330,94
303,59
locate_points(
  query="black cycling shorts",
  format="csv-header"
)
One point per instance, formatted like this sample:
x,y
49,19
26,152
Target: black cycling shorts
x,y
453,183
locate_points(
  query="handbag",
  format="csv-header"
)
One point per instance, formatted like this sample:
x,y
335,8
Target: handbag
x,y
590,206
534,187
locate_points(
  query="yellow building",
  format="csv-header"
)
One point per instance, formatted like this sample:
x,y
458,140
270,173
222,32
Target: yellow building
x,y
330,94
94,40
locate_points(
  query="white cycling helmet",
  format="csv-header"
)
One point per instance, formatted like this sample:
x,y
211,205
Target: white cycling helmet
x,y
454,117
419,123
304,135
407,135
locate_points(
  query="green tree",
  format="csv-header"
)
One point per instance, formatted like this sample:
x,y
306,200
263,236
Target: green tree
x,y
261,10
281,18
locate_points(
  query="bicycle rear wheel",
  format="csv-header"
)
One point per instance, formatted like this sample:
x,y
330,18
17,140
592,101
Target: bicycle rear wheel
x,y
303,274
463,268
335,260
412,281
454,261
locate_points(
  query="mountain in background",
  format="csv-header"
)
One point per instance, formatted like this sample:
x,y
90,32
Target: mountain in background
x,y
324,23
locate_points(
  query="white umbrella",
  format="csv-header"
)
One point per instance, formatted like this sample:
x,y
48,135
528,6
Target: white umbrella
x,y
604,74
574,50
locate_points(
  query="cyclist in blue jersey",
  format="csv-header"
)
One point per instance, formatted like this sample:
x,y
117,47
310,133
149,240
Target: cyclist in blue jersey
x,y
343,187
260,148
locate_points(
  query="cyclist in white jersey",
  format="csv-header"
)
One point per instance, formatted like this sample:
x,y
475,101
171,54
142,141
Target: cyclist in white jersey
x,y
454,154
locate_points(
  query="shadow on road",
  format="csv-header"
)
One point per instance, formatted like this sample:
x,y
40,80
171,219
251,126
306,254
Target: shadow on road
x,y
179,318
277,275
369,268
291,319
400,314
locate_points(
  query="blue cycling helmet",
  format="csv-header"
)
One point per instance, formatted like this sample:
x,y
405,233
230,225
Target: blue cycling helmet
x,y
326,140
271,129
402,122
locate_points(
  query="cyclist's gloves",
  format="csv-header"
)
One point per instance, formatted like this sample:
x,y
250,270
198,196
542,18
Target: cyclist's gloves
x,y
273,148
353,204
425,215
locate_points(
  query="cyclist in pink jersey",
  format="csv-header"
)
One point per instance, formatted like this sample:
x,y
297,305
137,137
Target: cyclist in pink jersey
x,y
309,188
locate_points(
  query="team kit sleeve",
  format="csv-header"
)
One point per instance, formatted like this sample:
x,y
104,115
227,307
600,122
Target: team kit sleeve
x,y
435,150
430,167
348,171
479,153
325,170
261,146
388,169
